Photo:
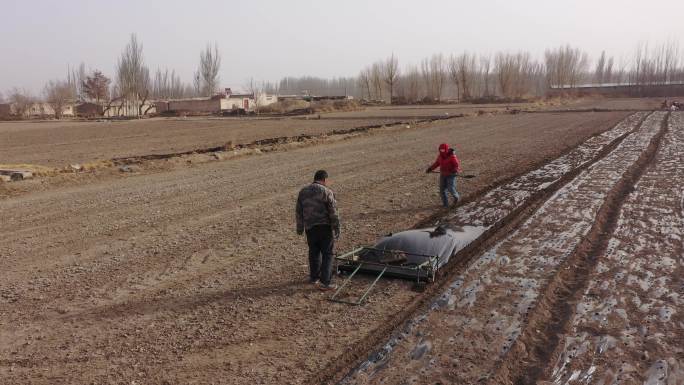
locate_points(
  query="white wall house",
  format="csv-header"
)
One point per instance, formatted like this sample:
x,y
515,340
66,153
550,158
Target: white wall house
x,y
246,102
42,109
217,104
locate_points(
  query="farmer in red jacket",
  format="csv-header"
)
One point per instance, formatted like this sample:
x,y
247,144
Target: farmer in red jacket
x,y
449,166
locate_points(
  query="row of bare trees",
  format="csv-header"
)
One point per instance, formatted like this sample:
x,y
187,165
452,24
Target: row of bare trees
x,y
468,76
133,84
310,85
465,76
380,76
509,75
660,64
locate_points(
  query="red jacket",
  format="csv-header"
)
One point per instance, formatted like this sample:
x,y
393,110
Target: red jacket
x,y
447,161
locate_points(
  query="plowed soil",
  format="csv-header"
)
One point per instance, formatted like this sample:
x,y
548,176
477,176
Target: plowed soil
x,y
194,274
59,144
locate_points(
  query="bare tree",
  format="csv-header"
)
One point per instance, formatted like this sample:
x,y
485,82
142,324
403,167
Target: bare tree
x,y
454,76
565,66
439,75
427,79
96,87
671,60
467,68
608,71
599,71
145,84
579,67
637,72
462,71
2,98
533,81
516,74
434,73
133,77
376,79
621,75
209,66
75,79
57,95
391,74
365,81
505,71
485,68
168,85
21,101
412,84
257,92
197,83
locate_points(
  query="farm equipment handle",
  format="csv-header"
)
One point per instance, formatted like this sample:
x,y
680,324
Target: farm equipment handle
x,y
464,176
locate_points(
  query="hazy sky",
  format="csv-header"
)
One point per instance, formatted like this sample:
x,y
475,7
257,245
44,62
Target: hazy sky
x,y
269,39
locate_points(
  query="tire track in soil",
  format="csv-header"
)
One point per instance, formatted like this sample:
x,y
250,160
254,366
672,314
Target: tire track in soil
x,y
527,358
505,207
403,336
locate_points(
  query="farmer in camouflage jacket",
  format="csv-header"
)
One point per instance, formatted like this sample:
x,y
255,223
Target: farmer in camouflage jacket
x,y
317,215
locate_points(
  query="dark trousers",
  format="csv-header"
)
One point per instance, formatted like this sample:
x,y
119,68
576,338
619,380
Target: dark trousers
x,y
320,240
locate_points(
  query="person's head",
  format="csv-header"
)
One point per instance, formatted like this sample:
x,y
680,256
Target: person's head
x,y
321,176
443,149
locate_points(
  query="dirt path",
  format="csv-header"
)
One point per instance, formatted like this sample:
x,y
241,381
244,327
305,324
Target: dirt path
x,y
195,275
468,335
627,327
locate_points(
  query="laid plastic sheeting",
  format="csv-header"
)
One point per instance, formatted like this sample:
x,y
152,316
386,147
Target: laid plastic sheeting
x,y
419,244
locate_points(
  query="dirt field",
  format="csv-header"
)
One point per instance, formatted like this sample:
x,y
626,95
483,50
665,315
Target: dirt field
x,y
619,103
194,274
58,144
422,111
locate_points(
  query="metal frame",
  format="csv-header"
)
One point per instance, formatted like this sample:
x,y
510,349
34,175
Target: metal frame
x,y
347,262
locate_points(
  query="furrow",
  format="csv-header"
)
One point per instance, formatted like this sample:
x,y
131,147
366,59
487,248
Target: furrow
x,y
628,326
504,205
540,335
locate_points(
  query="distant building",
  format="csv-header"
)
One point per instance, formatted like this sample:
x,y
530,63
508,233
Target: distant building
x,y
620,89
194,105
223,102
41,110
88,110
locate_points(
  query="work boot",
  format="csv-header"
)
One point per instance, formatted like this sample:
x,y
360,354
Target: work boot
x,y
328,287
455,202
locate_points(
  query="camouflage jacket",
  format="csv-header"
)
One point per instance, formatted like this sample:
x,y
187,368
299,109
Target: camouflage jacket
x,y
316,205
